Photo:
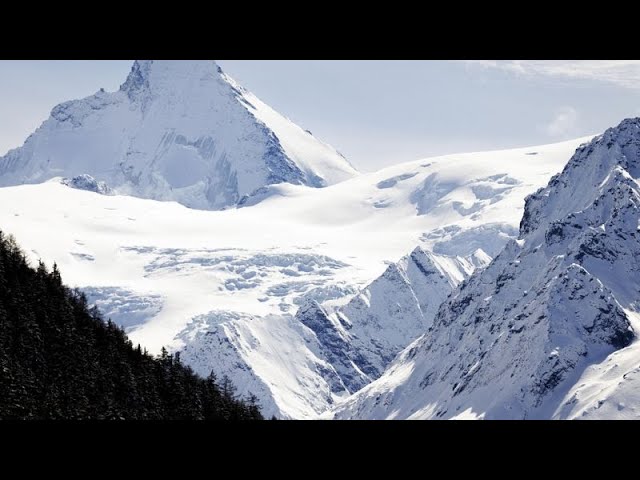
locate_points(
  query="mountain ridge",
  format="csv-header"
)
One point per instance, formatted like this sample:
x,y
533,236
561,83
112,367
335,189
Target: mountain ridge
x,y
558,303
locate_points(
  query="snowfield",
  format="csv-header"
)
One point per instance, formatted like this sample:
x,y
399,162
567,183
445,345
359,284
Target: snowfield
x,y
225,286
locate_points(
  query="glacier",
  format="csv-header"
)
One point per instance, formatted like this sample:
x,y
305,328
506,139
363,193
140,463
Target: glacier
x,y
373,255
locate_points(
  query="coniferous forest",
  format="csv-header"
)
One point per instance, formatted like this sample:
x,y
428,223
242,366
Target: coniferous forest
x,y
59,359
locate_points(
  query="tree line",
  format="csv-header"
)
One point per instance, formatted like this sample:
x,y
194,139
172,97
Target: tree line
x,y
59,359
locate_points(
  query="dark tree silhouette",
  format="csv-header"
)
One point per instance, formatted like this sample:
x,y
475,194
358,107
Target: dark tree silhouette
x,y
59,359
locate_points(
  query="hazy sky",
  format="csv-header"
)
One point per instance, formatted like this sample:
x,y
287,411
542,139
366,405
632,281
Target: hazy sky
x,y
376,112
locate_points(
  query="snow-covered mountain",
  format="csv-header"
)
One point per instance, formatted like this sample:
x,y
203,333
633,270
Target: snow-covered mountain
x,y
548,329
176,130
301,365
275,294
361,338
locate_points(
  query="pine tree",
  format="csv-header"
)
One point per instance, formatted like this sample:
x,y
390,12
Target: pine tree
x,y
253,407
60,360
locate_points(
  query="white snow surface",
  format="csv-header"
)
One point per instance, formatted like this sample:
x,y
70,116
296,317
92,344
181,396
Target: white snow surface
x,y
549,328
176,130
225,286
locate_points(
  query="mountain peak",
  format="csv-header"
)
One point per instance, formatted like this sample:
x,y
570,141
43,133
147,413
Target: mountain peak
x,y
163,74
628,123
624,134
150,68
584,176
177,130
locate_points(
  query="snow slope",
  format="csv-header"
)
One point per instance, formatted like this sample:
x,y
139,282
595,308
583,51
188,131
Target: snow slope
x,y
548,330
362,337
176,130
195,280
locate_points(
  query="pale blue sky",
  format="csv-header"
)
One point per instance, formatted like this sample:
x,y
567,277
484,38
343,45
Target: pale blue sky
x,y
376,112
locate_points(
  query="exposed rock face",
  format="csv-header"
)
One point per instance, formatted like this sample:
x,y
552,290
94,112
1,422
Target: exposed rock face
x,y
362,338
88,183
515,337
332,354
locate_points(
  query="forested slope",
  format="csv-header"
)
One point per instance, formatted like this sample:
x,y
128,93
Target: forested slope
x,y
60,360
